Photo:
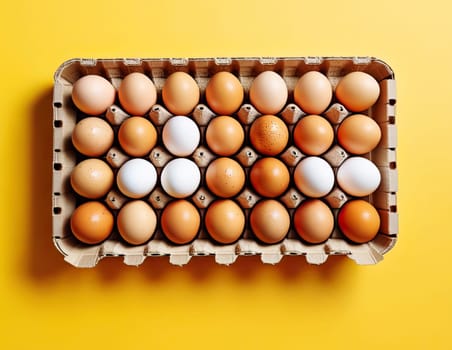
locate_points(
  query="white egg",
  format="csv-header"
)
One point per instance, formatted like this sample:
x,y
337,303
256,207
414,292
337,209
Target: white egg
x,y
358,176
314,177
136,178
180,178
180,136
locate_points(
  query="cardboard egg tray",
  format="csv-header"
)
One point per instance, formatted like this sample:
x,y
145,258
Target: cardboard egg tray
x,y
65,157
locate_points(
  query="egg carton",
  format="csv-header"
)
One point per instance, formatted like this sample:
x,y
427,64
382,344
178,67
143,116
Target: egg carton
x,y
65,158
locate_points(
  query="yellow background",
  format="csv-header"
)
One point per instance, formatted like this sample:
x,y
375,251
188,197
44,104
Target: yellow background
x,y
403,302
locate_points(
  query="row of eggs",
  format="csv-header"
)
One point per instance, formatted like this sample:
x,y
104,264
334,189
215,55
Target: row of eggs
x,y
224,135
180,221
224,93
93,178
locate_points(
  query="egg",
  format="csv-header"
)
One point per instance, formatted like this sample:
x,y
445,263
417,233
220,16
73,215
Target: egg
x,y
268,92
137,93
357,91
136,222
180,93
224,93
313,135
358,176
358,134
92,178
137,136
93,94
359,221
136,178
92,136
180,221
269,135
225,177
180,136
224,221
313,92
269,177
91,222
314,177
270,221
224,135
313,221
180,178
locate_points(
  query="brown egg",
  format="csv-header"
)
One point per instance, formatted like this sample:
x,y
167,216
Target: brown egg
x,y
358,134
136,222
224,221
313,135
313,221
268,92
357,91
180,221
269,177
224,135
180,93
269,221
224,93
269,135
359,221
313,92
92,178
225,177
137,93
92,136
91,222
93,94
137,136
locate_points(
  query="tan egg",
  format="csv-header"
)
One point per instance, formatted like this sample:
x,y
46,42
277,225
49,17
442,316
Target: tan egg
x,y
269,177
358,134
180,221
359,221
137,136
357,91
268,92
313,221
137,93
136,222
224,135
225,177
269,135
93,94
269,221
224,93
92,136
313,92
313,135
180,93
92,222
224,221
92,178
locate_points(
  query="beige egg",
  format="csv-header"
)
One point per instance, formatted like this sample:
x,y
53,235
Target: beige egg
x,y
136,222
137,93
268,92
313,92
92,136
93,94
270,221
313,221
180,93
92,178
357,91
